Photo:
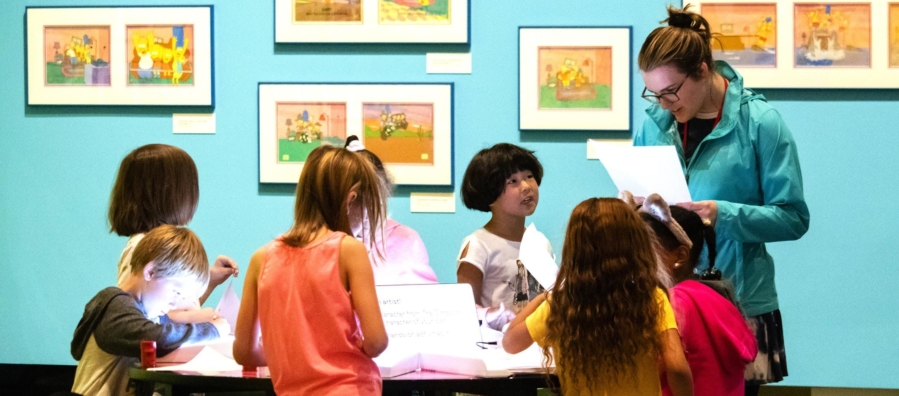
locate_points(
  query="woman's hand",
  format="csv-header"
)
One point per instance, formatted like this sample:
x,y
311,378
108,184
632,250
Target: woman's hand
x,y
707,210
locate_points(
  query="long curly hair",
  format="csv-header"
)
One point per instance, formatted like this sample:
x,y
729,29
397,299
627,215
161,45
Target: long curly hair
x,y
603,309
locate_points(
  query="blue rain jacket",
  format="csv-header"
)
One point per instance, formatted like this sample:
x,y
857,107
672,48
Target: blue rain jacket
x,y
749,165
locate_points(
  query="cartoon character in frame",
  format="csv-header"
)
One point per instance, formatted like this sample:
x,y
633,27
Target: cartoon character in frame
x,y
76,55
574,77
429,12
832,35
160,55
399,133
305,11
303,126
743,34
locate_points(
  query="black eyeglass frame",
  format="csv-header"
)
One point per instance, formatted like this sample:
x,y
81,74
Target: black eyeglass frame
x,y
656,99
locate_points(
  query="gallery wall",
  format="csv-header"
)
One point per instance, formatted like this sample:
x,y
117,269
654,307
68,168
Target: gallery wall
x,y
837,285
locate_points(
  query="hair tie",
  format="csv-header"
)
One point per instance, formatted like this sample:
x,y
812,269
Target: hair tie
x,y
682,20
656,207
355,146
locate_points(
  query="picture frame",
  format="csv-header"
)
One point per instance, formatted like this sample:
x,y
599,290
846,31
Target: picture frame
x,y
807,44
575,78
372,21
128,55
409,126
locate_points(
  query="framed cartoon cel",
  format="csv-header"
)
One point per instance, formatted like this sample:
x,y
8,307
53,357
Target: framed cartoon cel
x,y
371,21
574,78
408,126
806,44
156,56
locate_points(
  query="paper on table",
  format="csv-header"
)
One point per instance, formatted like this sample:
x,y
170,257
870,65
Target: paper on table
x,y
534,254
645,170
208,360
229,306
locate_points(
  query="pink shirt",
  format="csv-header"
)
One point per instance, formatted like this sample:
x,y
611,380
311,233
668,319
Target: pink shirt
x,y
717,342
405,258
310,335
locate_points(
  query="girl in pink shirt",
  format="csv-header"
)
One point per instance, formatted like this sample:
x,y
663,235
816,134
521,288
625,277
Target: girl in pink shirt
x,y
311,292
403,259
717,342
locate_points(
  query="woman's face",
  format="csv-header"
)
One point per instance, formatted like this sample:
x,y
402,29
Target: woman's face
x,y
679,94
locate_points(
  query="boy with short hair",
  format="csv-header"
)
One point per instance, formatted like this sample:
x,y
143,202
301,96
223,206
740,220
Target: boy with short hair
x,y
168,262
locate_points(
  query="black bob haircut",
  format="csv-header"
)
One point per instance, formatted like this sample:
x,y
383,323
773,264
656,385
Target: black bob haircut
x,y
485,177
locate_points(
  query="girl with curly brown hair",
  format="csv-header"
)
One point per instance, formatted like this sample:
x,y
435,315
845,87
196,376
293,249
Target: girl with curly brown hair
x,y
607,321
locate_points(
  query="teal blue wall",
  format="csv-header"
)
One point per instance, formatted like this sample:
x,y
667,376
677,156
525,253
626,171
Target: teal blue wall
x,y
837,285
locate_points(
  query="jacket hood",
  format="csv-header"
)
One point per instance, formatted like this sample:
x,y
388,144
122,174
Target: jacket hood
x,y
93,313
731,339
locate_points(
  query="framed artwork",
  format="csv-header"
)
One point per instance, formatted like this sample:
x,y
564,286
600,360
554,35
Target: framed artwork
x,y
574,78
154,56
806,44
894,35
372,21
408,126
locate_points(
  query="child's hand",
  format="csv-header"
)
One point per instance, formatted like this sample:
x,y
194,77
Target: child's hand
x,y
222,268
495,317
222,326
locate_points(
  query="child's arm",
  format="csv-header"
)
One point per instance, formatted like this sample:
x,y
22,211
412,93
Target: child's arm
x,y
468,273
517,337
221,269
360,281
124,325
680,380
247,349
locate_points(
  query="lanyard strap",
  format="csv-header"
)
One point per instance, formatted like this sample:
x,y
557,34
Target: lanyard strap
x,y
717,118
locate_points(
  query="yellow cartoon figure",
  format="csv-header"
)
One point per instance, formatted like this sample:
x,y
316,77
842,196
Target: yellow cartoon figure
x,y
765,27
178,61
142,46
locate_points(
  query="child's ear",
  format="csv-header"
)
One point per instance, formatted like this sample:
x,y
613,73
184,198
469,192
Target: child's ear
x,y
149,271
682,254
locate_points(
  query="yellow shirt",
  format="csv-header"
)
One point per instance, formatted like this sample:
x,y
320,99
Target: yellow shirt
x,y
647,378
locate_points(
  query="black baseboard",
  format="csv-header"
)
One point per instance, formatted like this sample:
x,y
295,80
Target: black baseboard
x,y
35,379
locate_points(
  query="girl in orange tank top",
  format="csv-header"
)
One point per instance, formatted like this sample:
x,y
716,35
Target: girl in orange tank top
x,y
310,293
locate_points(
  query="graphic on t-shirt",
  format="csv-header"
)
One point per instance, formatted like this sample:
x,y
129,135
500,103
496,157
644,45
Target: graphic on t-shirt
x,y
526,287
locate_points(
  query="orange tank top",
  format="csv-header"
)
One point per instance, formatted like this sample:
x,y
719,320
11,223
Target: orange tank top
x,y
310,334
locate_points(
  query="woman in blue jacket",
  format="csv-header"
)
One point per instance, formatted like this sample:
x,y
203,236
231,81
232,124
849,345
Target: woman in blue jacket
x,y
741,166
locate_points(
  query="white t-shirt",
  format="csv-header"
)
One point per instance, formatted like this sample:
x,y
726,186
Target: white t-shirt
x,y
125,258
505,278
103,374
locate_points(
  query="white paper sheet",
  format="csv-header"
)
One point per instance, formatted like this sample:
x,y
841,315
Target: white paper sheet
x,y
229,306
534,254
646,170
208,360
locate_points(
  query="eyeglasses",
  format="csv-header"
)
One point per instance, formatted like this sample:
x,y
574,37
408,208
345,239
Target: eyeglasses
x,y
671,97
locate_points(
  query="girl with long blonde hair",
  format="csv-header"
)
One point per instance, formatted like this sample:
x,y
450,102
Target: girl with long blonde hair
x,y
607,321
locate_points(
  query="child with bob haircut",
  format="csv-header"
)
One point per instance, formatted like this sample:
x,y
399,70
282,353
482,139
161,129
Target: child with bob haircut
x,y
717,342
311,293
405,258
168,262
158,184
606,319
505,181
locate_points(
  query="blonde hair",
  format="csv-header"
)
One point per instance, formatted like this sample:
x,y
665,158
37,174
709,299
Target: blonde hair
x,y
685,43
174,251
328,177
603,309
